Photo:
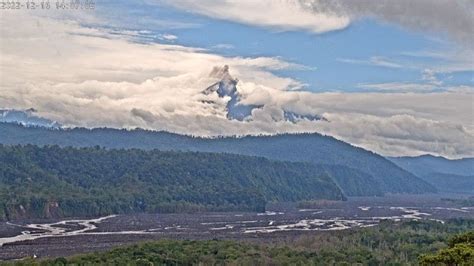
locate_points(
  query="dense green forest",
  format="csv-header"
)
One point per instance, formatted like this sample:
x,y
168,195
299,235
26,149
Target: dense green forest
x,y
460,251
390,243
53,181
466,202
428,164
452,176
451,182
353,182
313,148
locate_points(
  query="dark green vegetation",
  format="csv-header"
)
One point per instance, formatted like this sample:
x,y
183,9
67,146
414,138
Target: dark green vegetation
x,y
53,181
451,182
354,182
427,164
459,252
465,202
364,174
455,176
387,244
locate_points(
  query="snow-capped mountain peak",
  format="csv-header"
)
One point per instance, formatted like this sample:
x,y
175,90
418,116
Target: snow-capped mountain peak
x,y
226,86
26,118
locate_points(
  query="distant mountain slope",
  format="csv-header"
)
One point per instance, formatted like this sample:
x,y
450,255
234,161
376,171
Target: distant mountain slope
x,y
314,148
451,183
354,182
454,176
54,181
427,164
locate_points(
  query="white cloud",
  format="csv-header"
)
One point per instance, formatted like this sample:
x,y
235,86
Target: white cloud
x,y
87,77
71,53
449,62
453,18
372,61
281,14
223,46
433,85
429,76
399,87
168,37
381,61
402,134
82,73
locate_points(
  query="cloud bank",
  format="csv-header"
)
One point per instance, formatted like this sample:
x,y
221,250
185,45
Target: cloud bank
x,y
453,18
280,14
89,77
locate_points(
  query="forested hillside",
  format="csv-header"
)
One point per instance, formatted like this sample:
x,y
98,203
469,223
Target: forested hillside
x,y
451,183
313,148
53,181
453,176
353,182
428,164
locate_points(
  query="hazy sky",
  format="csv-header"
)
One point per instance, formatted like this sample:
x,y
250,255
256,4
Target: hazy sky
x,y
392,76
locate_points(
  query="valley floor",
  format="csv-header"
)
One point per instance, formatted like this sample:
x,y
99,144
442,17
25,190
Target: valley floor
x,y
282,223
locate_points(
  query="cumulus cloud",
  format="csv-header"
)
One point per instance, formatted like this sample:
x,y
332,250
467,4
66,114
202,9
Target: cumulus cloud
x,y
429,76
88,77
281,14
71,53
453,18
84,75
168,37
401,134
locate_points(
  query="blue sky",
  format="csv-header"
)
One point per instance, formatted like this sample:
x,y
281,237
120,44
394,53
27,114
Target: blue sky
x,y
367,51
392,76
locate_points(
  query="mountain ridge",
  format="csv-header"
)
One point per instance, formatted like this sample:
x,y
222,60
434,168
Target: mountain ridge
x,y
51,181
304,147
447,175
426,164
226,86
